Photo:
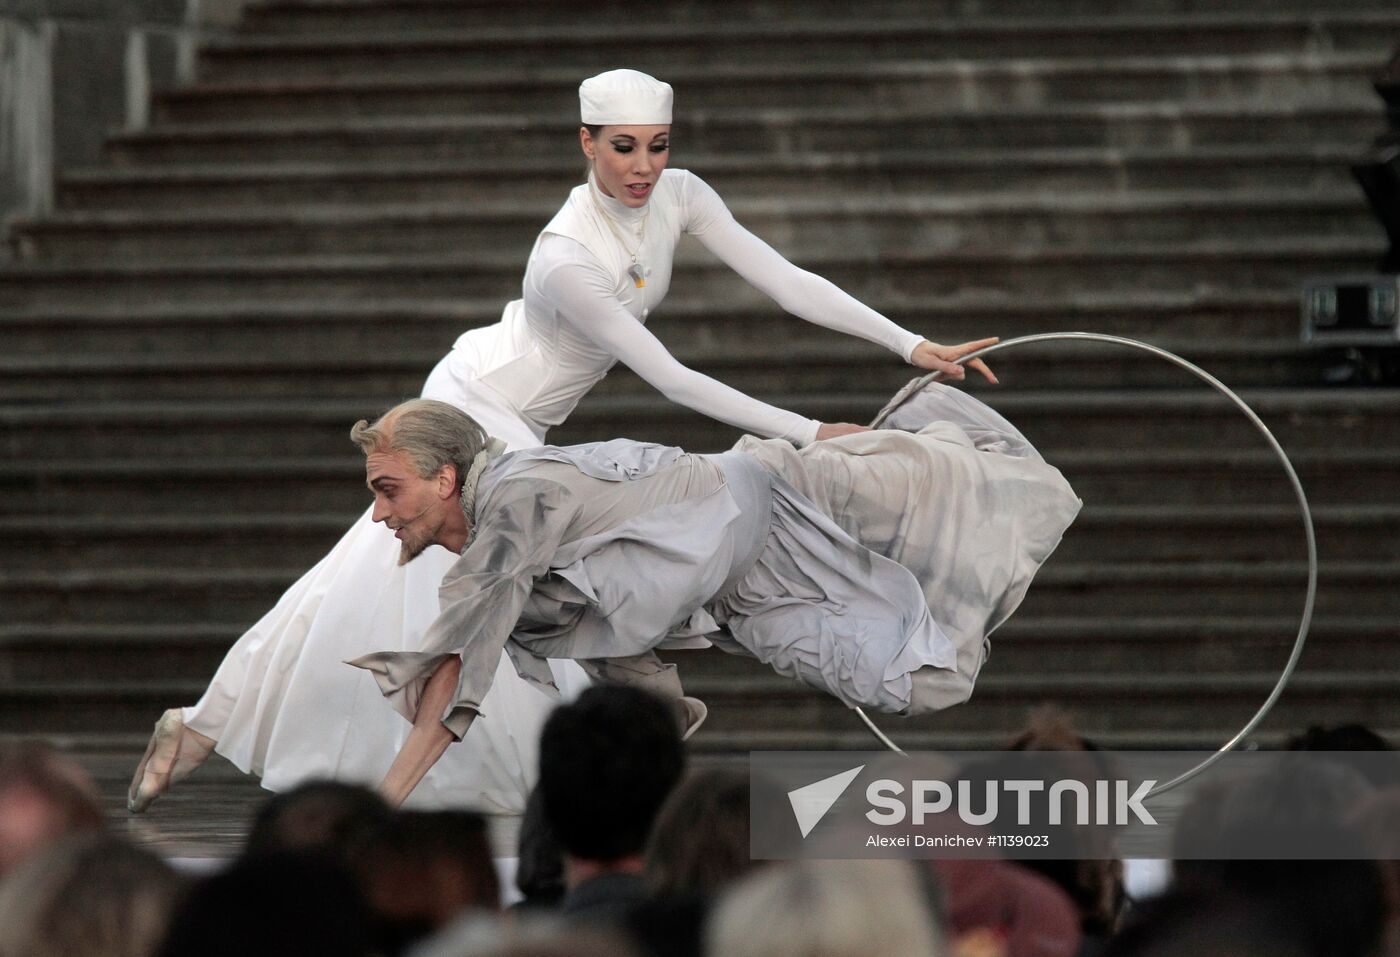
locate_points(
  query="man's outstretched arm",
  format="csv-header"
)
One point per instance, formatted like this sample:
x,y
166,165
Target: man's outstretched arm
x,y
428,740
482,596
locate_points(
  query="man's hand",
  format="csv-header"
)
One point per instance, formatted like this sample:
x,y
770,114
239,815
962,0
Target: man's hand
x,y
936,358
830,430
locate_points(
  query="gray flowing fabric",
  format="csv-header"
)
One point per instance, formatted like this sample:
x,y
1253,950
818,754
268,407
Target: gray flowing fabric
x,y
853,564
962,500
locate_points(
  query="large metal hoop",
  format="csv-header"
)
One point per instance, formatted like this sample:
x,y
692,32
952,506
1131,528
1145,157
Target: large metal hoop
x,y
1224,390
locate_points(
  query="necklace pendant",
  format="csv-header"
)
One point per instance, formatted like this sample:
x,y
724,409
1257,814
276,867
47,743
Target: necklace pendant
x,y
638,278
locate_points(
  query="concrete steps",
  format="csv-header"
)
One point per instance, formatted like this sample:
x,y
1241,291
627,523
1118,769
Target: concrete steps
x,y
1144,710
1145,125
350,184
1062,421
1207,532
1189,266
185,541
872,222
1218,474
1209,588
288,485
1024,645
886,171
691,323
320,17
1099,419
1315,75
660,46
824,364
118,652
1064,647
1181,534
732,748
1119,589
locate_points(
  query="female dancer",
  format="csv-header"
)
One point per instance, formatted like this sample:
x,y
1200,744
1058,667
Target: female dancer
x,y
282,705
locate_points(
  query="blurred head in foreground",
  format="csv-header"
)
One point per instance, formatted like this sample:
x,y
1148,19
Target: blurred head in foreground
x,y
826,909
87,896
44,796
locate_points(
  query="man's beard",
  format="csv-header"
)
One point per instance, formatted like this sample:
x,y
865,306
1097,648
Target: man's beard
x,y
416,541
411,548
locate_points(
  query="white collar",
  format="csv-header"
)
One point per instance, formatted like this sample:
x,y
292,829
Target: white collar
x,y
618,211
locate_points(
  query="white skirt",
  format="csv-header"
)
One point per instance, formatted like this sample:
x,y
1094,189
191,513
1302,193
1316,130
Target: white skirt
x,y
284,705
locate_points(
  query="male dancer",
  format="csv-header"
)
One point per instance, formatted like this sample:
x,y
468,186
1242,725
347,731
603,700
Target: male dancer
x,y
823,563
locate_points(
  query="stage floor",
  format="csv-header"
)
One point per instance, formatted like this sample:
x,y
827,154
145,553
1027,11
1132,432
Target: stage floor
x,y
206,817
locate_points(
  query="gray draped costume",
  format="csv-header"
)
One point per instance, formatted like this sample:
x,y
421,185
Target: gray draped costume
x,y
852,564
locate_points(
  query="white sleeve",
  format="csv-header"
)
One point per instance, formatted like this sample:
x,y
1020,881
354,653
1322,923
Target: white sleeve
x,y
804,294
584,298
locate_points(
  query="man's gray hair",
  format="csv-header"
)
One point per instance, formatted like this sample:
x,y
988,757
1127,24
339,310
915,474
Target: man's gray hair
x,y
428,433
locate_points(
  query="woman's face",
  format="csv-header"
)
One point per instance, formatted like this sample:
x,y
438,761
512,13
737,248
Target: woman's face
x,y
627,160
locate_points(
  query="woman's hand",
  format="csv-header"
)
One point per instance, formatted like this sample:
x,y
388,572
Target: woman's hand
x,y
932,356
830,430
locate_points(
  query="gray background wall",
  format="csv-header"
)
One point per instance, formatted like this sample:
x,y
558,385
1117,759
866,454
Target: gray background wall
x,y
72,69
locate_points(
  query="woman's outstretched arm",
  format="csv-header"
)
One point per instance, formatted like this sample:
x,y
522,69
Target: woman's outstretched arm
x,y
807,295
583,295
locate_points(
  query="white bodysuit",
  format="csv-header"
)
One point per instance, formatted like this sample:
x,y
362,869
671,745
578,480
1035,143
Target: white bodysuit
x,y
581,312
285,706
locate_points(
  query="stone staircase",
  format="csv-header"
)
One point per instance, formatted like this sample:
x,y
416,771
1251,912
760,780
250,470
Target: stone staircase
x,y
300,234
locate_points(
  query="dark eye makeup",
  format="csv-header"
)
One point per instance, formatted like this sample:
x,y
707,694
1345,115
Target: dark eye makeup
x,y
626,146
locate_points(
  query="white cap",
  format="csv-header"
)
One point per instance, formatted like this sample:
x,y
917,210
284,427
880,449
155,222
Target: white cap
x,y
624,98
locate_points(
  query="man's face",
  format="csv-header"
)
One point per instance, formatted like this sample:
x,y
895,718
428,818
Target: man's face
x,y
414,507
